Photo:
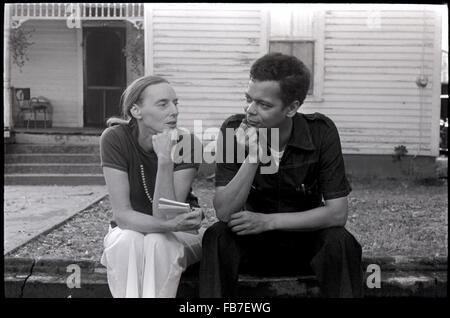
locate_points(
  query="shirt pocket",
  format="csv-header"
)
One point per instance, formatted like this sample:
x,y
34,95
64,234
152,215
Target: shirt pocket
x,y
299,178
299,186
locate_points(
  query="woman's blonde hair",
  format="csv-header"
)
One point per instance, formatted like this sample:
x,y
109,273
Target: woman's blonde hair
x,y
131,96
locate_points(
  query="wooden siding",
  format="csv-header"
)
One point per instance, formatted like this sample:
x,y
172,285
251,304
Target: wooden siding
x,y
206,54
369,70
370,62
370,74
53,70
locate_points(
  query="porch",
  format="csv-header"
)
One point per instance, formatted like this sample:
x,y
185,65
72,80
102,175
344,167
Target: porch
x,y
65,64
92,131
53,156
82,136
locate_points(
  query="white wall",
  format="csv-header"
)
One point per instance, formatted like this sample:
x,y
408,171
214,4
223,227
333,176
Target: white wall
x,y
206,54
53,70
372,61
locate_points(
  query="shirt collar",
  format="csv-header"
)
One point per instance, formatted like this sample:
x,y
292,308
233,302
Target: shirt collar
x,y
300,135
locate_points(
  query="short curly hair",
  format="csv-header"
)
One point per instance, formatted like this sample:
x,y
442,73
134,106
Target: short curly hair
x,y
289,71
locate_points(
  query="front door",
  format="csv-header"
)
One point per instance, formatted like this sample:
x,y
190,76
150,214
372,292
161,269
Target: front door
x,y
104,71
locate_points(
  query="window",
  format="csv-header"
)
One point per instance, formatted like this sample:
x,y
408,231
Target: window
x,y
303,50
298,30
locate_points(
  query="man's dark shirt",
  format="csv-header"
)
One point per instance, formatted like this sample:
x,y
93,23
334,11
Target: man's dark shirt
x,y
311,169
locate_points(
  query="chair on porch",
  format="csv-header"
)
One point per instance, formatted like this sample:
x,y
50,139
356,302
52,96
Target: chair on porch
x,y
30,107
21,100
40,104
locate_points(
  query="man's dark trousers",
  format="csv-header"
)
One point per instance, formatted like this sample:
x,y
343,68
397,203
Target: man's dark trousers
x,y
332,254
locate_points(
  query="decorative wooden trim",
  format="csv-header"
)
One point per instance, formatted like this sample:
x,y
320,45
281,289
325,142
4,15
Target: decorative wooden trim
x,y
293,39
436,101
80,70
132,12
319,53
7,105
148,39
265,32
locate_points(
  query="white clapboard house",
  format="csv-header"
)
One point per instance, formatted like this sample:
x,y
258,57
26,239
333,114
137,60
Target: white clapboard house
x,y
376,69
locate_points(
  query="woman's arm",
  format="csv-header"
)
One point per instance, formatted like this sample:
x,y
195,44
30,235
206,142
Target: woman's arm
x,y
164,185
172,185
119,192
169,184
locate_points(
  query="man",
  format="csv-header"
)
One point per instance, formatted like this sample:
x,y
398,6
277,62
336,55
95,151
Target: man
x,y
293,218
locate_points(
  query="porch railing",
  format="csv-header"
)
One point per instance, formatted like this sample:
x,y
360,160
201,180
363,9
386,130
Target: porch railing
x,y
21,12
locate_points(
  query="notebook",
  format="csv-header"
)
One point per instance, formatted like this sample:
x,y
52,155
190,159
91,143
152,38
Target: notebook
x,y
171,209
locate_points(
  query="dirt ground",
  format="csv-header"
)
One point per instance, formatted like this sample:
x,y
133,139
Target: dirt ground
x,y
31,210
388,217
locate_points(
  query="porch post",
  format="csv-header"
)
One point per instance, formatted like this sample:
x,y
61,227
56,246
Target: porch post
x,y
148,39
7,111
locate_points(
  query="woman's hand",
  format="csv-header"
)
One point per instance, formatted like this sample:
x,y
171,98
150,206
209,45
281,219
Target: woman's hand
x,y
163,144
186,222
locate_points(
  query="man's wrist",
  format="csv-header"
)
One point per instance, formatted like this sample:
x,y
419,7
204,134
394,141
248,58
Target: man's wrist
x,y
270,221
252,161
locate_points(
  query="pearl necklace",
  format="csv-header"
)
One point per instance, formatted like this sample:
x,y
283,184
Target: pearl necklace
x,y
144,184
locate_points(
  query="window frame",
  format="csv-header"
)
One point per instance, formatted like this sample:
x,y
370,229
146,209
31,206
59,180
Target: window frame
x,y
291,40
317,38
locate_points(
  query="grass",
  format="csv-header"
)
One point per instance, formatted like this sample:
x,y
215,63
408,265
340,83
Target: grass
x,y
400,218
388,217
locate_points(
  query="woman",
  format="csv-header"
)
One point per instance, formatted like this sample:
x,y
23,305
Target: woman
x,y
144,253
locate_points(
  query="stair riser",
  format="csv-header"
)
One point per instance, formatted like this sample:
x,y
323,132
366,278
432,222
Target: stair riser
x,y
60,180
60,139
189,289
42,169
45,158
39,149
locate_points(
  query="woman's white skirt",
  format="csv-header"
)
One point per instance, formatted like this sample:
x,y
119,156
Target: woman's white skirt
x,y
148,265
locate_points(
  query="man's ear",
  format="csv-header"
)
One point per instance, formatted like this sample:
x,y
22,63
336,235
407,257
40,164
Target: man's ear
x,y
292,108
136,111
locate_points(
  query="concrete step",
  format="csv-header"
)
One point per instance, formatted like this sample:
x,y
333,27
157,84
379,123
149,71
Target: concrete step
x,y
25,277
54,179
53,168
52,158
43,136
51,149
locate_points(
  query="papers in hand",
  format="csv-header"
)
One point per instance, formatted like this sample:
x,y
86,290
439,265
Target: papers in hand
x,y
171,209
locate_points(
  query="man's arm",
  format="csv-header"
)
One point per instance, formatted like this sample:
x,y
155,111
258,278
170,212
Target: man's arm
x,y
231,198
334,213
234,184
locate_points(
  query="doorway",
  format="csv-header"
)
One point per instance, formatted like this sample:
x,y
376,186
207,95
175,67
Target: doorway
x,y
104,73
